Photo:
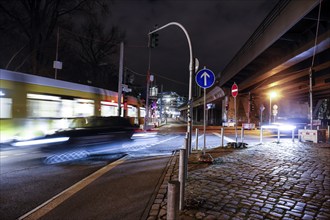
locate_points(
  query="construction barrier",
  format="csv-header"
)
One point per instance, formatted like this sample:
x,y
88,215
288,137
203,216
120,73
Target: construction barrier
x,y
312,135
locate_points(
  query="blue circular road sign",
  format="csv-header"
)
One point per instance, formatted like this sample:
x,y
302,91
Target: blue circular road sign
x,y
205,78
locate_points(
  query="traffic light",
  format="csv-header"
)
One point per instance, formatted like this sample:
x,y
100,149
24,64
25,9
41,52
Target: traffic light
x,y
252,97
153,40
227,107
252,106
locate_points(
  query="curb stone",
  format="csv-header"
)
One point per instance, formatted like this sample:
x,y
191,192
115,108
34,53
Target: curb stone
x,y
158,209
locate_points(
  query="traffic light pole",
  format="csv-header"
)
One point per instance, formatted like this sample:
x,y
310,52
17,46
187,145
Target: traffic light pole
x,y
191,71
146,118
120,78
249,109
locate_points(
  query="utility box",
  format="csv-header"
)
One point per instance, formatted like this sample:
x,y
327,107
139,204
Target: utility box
x,y
312,135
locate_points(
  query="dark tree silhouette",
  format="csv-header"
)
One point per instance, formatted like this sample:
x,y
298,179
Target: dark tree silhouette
x,y
96,45
28,30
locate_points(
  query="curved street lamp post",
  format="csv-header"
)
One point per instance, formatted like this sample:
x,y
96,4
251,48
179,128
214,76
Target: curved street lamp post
x,y
191,70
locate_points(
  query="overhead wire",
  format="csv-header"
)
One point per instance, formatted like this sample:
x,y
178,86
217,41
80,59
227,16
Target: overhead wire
x,y
158,75
139,74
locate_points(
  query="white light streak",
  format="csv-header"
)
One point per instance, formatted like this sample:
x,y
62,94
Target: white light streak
x,y
282,127
41,141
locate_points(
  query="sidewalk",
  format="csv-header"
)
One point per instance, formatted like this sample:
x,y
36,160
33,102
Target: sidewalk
x,y
269,181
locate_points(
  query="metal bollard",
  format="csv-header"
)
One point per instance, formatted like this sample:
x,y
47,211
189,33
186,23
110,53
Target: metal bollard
x,y
186,160
222,136
278,135
196,139
182,176
185,143
242,135
292,135
261,135
173,200
189,143
187,146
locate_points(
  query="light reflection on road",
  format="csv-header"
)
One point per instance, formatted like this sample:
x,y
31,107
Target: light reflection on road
x,y
148,144
142,144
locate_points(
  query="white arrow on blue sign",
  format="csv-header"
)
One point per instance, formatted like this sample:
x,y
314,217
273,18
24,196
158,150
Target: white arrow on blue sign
x,y
205,78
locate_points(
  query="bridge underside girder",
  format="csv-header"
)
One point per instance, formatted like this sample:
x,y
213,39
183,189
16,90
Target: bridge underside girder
x,y
280,56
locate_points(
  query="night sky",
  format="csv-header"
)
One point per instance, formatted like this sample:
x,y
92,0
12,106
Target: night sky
x,y
217,29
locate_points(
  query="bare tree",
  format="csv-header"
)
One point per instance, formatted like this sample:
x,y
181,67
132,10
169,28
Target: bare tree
x,y
96,45
33,22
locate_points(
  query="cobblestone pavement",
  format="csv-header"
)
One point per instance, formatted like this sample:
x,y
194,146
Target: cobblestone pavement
x,y
269,181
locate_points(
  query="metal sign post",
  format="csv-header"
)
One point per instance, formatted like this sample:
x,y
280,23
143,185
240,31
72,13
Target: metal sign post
x,y
205,79
120,77
275,111
234,93
204,127
262,108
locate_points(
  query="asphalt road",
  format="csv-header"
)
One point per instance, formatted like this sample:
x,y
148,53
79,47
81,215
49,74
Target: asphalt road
x,y
31,182
122,193
31,176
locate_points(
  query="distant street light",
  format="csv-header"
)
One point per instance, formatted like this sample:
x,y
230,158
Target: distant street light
x,y
271,96
191,71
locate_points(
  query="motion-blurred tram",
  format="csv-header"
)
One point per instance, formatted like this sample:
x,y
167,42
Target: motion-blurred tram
x,y
32,106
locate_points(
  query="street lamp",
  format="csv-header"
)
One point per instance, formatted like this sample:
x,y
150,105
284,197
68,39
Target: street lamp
x,y
271,96
191,71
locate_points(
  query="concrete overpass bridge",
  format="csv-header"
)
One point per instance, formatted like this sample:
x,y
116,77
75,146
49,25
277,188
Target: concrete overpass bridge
x,y
290,49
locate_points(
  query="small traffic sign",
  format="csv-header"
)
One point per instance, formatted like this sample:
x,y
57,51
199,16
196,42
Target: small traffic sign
x,y
262,107
234,90
205,78
125,88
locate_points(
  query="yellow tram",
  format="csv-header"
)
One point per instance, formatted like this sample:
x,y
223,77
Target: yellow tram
x,y
32,106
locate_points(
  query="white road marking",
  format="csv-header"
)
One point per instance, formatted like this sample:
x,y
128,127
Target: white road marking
x,y
226,138
133,147
52,203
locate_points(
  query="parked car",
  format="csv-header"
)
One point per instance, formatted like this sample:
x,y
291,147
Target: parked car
x,y
88,130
